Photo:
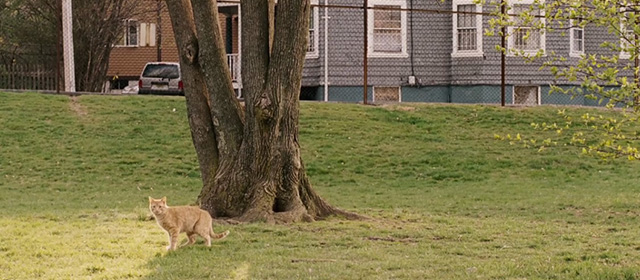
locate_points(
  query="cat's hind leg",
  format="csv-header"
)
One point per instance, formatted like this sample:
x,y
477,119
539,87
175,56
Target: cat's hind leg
x,y
192,239
202,231
207,238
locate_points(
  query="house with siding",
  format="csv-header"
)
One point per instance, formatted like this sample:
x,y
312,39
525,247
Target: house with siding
x,y
431,56
419,56
149,37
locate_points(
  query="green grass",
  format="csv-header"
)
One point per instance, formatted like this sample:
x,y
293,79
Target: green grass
x,y
447,200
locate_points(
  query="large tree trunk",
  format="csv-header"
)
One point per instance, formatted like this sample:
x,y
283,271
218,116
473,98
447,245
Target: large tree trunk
x,y
249,158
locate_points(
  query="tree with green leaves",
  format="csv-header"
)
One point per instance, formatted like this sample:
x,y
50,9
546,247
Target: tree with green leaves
x,y
609,73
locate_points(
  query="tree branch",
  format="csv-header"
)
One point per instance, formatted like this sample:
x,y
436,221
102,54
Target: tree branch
x,y
199,113
255,50
226,112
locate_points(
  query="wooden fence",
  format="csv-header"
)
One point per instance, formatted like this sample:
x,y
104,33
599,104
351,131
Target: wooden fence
x,y
28,77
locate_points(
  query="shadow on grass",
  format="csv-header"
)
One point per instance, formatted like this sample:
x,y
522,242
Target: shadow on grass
x,y
194,262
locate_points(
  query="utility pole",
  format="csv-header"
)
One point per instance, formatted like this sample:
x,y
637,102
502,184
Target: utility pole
x,y
159,30
67,39
365,8
326,50
58,45
503,63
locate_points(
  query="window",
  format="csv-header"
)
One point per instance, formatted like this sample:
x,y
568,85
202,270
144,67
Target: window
x,y
387,28
312,48
524,36
526,95
386,94
467,29
136,34
576,43
627,36
130,36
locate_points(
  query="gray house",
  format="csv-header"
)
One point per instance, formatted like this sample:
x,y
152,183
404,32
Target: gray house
x,y
431,55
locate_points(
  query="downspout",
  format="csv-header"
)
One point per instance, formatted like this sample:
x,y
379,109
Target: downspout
x,y
239,73
159,31
413,73
326,50
365,54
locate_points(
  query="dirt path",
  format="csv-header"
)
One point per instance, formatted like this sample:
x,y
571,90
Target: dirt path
x,y
80,110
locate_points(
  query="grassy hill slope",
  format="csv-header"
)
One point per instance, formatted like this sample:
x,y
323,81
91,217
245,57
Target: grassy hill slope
x,y
447,200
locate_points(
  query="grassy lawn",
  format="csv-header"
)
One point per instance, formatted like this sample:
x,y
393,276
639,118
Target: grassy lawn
x,y
447,201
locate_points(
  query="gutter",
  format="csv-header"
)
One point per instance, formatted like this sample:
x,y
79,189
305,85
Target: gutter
x,y
326,50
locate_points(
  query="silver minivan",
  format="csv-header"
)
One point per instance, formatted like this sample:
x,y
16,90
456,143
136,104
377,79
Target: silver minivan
x,y
161,78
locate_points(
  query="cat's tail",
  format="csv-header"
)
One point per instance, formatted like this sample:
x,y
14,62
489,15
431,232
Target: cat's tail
x,y
218,235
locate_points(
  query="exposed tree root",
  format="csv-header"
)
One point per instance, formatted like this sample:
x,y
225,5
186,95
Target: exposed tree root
x,y
391,239
349,215
312,260
288,217
227,221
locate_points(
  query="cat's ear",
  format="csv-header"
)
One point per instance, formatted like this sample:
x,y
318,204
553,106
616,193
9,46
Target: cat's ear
x,y
150,199
164,199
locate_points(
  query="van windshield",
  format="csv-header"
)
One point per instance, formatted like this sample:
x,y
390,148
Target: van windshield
x,y
167,71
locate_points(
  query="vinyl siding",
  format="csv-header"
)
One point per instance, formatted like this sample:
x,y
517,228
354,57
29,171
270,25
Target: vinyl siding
x,y
128,62
432,61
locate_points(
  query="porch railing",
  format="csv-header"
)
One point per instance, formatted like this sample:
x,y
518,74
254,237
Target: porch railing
x,y
233,60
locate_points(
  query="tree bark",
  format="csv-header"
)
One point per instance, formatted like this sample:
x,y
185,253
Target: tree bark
x,y
249,157
198,105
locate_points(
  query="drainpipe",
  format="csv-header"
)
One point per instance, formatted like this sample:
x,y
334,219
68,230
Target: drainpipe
x,y
239,80
503,64
159,31
413,73
326,50
365,63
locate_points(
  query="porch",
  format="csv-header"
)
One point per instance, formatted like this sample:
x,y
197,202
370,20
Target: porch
x,y
233,61
230,23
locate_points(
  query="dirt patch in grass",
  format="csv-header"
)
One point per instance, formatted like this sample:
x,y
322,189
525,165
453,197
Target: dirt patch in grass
x,y
395,107
77,108
391,239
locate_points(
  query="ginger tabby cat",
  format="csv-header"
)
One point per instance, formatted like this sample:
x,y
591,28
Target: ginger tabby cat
x,y
190,219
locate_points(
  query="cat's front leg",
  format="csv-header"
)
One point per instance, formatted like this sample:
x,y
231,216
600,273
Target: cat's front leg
x,y
173,240
169,236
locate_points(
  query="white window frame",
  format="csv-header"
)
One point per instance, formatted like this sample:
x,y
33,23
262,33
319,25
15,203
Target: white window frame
x,y
572,41
478,52
511,29
125,33
315,37
403,23
623,29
